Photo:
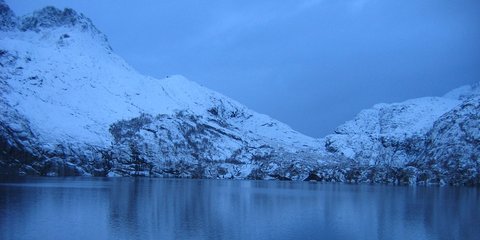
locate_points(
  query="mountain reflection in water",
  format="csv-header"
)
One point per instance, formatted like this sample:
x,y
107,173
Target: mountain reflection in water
x,y
143,208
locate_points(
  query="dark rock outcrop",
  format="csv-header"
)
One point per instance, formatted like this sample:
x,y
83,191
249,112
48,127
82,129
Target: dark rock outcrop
x,y
8,20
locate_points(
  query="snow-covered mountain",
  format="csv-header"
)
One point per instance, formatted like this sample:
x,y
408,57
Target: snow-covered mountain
x,y
378,135
71,106
414,138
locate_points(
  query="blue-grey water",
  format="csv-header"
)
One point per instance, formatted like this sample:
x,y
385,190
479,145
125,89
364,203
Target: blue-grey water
x,y
143,208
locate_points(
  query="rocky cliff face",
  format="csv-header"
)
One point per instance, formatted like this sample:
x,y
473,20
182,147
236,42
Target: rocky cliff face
x,y
452,147
71,106
389,133
425,140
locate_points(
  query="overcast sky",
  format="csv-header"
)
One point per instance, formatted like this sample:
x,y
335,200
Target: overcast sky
x,y
312,64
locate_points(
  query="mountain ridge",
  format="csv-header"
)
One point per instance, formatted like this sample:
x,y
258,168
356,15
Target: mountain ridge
x,y
72,90
71,106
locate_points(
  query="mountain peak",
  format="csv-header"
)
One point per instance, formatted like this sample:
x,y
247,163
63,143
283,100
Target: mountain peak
x,y
52,17
464,92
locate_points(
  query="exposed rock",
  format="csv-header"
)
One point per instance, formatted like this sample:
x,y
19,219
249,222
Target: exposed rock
x,y
452,148
7,17
51,17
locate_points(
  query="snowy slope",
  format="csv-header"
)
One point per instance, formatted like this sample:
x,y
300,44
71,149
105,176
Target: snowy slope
x,y
375,134
393,133
60,75
430,140
85,87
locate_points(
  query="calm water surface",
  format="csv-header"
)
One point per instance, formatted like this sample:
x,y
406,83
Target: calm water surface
x,y
142,208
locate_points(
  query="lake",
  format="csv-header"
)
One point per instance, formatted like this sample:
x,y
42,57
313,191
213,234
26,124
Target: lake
x,y
144,208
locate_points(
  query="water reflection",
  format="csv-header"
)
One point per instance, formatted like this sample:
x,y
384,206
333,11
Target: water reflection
x,y
142,208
